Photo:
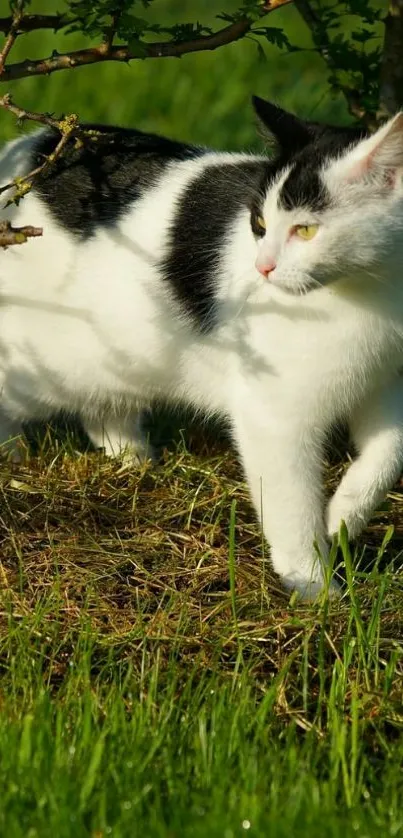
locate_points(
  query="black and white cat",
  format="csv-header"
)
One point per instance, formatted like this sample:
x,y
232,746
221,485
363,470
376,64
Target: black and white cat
x,y
269,290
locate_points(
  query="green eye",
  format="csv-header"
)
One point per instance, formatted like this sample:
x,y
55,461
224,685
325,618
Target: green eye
x,y
258,224
306,231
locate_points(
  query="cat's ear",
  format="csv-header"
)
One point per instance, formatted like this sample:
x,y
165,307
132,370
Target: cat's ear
x,y
378,155
291,133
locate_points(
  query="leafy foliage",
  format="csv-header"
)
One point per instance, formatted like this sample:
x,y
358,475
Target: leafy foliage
x,y
352,53
346,34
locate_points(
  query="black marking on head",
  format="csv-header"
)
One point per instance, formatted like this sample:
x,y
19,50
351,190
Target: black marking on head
x,y
94,185
304,186
208,207
305,147
294,134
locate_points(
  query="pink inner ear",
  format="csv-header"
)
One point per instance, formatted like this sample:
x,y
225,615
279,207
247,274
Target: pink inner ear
x,y
360,167
383,151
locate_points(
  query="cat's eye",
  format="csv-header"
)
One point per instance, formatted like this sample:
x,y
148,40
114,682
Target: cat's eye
x,y
306,231
258,224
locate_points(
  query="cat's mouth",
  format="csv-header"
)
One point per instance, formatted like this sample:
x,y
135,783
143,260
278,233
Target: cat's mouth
x,y
299,284
295,287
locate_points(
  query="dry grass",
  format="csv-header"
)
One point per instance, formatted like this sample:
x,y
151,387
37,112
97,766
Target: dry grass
x,y
145,557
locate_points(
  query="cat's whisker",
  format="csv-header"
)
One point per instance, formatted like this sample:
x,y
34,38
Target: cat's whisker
x,y
378,278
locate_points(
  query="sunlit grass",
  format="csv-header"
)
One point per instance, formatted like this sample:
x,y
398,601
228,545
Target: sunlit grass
x,y
156,680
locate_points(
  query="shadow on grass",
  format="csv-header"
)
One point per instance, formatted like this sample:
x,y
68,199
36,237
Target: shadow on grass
x,y
167,428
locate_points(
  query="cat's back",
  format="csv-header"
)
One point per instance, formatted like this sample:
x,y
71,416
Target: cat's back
x,y
94,181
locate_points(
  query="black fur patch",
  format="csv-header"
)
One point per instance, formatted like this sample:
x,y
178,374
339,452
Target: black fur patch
x,y
304,186
207,209
94,186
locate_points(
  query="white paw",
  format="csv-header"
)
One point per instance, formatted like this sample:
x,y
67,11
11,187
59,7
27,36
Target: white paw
x,y
345,508
308,590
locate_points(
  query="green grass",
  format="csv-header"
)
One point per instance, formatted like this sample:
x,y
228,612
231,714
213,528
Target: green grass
x,y
155,680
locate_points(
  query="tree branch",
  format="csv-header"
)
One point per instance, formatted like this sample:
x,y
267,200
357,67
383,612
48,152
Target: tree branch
x,y
105,52
12,34
67,127
17,235
111,31
391,83
29,23
21,114
23,184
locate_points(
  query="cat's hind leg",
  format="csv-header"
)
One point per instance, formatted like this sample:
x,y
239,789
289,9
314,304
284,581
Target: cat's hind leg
x,y
120,435
377,432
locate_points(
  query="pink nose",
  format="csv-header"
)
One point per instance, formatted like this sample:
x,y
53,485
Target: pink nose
x,y
265,268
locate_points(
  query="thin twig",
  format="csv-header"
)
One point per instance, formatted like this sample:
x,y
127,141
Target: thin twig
x,y
21,114
68,127
29,23
17,235
111,31
23,184
12,35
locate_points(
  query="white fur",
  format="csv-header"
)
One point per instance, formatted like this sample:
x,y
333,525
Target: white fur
x,y
93,328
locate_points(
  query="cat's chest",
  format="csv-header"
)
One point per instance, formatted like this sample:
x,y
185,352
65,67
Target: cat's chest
x,y
325,336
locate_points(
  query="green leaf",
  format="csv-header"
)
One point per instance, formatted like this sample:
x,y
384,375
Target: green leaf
x,y
261,53
276,36
363,36
129,25
137,48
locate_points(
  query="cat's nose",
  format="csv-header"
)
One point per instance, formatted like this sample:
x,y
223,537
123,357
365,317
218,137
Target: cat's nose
x,y
265,268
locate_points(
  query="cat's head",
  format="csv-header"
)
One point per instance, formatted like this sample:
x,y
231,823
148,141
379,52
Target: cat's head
x,y
333,203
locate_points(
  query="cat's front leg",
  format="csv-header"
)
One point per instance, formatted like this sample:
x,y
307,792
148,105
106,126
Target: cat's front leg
x,y
120,435
282,461
377,432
